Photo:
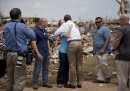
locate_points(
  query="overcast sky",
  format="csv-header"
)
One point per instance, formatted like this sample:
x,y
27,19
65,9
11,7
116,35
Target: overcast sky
x,y
56,9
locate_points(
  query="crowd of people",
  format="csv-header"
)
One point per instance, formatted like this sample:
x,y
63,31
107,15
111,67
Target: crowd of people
x,y
70,72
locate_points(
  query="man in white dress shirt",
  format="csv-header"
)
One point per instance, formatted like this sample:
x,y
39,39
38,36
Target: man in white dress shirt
x,y
75,54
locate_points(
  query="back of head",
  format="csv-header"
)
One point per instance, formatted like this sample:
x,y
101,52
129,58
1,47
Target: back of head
x,y
67,17
61,22
15,13
22,21
1,24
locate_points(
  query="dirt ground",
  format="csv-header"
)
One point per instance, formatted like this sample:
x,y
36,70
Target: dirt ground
x,y
89,74
87,86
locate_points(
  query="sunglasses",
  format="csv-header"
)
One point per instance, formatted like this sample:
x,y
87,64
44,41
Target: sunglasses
x,y
98,22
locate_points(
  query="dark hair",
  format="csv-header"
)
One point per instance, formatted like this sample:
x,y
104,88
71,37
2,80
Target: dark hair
x,y
15,13
26,20
59,24
22,21
98,18
67,17
1,24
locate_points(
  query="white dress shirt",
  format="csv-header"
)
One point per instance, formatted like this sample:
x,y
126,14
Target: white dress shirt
x,y
75,33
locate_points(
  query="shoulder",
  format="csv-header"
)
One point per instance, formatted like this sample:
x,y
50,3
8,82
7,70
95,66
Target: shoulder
x,y
126,26
36,30
46,30
105,28
7,25
21,25
64,24
119,31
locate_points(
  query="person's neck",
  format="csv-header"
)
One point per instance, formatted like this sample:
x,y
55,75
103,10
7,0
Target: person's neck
x,y
17,20
41,27
127,23
99,27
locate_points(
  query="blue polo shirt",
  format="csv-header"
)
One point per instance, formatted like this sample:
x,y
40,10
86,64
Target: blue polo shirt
x,y
99,38
64,44
22,34
42,41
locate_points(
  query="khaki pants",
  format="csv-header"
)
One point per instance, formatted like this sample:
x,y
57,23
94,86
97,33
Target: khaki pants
x,y
123,73
16,77
103,68
75,57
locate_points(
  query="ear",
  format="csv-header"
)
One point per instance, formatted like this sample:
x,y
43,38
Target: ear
x,y
19,18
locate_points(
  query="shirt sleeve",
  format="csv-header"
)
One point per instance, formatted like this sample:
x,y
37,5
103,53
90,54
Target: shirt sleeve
x,y
29,33
107,33
61,35
119,34
35,31
60,30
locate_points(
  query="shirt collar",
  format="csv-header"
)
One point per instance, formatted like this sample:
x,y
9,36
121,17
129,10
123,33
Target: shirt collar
x,y
40,28
126,24
14,21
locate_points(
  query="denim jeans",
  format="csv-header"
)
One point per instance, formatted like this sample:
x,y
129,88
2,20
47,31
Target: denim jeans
x,y
63,71
37,68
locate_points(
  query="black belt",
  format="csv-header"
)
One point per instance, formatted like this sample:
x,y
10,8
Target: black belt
x,y
74,40
19,53
11,51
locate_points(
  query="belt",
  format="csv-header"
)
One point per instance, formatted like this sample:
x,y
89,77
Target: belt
x,y
11,51
74,40
22,54
19,53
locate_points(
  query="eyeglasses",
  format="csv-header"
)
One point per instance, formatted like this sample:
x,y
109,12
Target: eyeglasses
x,y
98,22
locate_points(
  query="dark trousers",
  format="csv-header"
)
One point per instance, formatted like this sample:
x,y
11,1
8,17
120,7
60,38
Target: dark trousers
x,y
63,71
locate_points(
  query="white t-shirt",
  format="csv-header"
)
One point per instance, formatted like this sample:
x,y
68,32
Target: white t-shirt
x,y
75,33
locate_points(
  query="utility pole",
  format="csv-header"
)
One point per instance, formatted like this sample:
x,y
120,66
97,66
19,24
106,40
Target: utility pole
x,y
1,16
35,18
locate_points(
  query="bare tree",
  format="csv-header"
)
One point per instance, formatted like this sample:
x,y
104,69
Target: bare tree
x,y
124,6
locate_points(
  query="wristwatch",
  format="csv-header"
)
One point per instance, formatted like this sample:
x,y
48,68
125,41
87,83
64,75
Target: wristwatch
x,y
113,49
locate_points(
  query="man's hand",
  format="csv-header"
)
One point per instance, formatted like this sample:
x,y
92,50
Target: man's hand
x,y
116,52
101,52
40,57
50,52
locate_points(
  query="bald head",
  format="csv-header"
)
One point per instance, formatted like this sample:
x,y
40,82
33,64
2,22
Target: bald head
x,y
124,19
42,23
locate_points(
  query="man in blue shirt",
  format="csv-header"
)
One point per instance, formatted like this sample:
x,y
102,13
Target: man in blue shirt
x,y
16,35
101,48
41,47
